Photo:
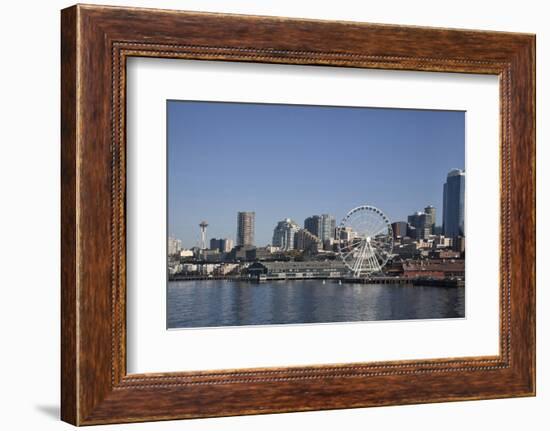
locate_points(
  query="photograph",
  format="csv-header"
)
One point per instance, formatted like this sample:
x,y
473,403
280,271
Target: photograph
x,y
253,215
301,214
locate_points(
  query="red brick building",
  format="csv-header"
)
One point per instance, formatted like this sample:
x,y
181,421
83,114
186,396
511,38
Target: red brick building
x,y
433,269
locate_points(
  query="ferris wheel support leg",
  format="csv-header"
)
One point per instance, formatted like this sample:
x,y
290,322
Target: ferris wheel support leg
x,y
374,266
371,262
358,264
374,262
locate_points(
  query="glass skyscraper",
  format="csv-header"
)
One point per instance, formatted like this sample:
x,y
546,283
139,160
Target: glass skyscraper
x,y
453,204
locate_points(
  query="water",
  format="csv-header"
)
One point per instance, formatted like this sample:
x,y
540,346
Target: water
x,y
206,303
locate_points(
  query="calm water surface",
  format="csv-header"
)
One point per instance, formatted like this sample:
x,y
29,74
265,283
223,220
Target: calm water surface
x,y
204,303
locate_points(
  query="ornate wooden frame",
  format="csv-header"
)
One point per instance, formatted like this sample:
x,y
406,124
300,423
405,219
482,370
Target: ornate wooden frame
x,y
96,41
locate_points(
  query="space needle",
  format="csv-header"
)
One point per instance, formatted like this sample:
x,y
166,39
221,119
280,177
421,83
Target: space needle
x,y
203,225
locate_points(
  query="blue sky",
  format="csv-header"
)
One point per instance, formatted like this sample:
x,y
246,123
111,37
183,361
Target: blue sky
x,y
296,161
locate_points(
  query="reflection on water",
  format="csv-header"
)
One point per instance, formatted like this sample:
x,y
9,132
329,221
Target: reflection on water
x,y
203,303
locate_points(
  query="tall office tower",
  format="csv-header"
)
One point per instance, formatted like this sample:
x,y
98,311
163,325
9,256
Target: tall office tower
x,y
422,224
453,204
430,210
328,226
313,225
283,234
245,228
323,227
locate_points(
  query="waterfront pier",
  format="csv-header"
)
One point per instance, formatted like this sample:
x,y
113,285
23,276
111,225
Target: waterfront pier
x,y
445,282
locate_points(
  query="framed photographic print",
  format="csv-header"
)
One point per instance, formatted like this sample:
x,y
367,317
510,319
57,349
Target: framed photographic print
x,y
268,215
261,267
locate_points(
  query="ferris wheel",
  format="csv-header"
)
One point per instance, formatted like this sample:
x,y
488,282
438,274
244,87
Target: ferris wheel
x,y
365,240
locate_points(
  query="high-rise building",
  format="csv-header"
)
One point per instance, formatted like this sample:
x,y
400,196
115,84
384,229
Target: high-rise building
x,y
453,204
313,225
328,227
283,234
430,211
399,229
245,228
322,226
422,224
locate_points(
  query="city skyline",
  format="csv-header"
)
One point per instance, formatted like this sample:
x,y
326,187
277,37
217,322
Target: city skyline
x,y
425,218
403,175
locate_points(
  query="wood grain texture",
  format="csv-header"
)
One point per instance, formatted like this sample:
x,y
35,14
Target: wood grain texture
x,y
96,41
69,367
